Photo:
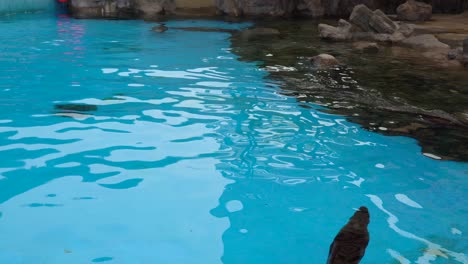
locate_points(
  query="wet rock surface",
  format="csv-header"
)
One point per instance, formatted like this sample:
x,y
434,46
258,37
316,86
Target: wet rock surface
x,y
393,92
465,53
425,41
367,47
413,10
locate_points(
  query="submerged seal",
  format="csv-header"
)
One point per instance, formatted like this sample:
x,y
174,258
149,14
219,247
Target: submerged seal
x,y
160,29
350,243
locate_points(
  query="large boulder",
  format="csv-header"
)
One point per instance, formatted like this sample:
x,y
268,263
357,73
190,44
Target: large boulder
x,y
256,7
465,53
151,8
381,23
361,16
310,8
120,8
368,21
366,47
413,10
340,33
425,41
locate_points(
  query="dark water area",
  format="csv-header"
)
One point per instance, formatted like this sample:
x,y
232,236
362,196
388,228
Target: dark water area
x,y
395,92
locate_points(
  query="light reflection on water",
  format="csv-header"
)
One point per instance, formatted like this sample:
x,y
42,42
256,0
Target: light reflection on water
x,y
192,157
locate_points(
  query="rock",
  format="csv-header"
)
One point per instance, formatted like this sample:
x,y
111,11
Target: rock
x,y
340,33
120,8
465,47
405,29
370,36
367,47
310,8
259,33
361,16
381,23
152,8
413,10
368,21
425,41
454,54
464,60
452,39
324,61
389,38
256,7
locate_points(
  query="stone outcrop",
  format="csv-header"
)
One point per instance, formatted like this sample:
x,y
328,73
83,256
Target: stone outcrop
x,y
368,21
425,41
366,25
366,47
340,33
120,8
465,53
414,11
311,8
256,7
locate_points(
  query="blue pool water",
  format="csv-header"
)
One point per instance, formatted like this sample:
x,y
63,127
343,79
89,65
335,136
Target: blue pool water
x,y
187,155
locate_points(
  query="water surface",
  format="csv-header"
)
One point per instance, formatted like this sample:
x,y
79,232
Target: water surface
x,y
120,145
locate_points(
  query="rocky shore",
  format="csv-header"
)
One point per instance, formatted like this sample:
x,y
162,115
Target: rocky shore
x,y
390,89
397,74
151,9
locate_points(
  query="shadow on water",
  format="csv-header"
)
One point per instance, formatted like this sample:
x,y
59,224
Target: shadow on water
x,y
385,93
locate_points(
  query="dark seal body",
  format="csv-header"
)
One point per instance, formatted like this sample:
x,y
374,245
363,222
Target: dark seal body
x,y
160,29
350,244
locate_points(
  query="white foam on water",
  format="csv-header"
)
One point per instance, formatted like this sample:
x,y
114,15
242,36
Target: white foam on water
x,y
234,206
135,85
379,166
397,256
432,156
406,200
68,165
456,231
109,70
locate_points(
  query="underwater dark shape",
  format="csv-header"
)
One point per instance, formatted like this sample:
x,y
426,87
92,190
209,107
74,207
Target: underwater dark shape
x,y
76,107
349,245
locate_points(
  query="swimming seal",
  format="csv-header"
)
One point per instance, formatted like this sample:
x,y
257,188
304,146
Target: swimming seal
x,y
349,245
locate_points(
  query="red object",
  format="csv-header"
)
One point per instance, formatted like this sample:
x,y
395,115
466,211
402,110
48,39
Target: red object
x,y
62,1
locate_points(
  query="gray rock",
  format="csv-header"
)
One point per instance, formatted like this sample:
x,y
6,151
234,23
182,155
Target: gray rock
x,y
414,11
152,8
340,33
367,47
381,23
405,29
120,8
361,16
425,41
256,7
324,61
464,59
465,47
454,54
311,8
259,33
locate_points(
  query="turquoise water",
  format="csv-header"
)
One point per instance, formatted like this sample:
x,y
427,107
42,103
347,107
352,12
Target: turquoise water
x,y
17,6
186,155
